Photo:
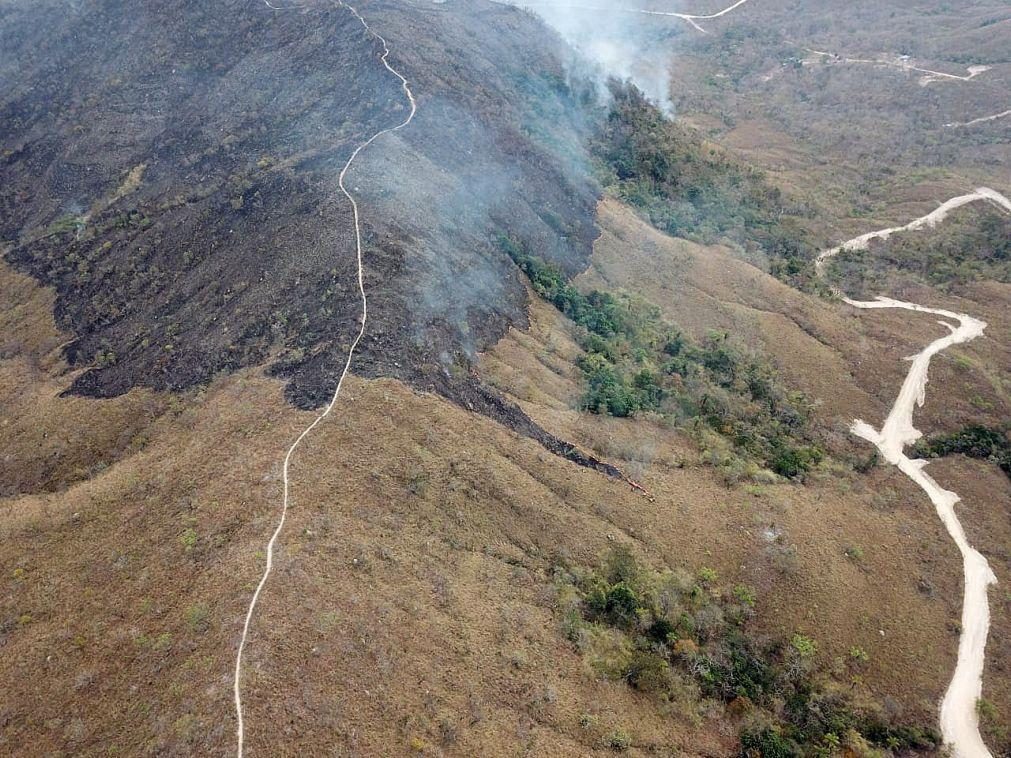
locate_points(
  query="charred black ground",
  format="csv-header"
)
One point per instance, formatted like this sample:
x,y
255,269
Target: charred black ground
x,y
171,169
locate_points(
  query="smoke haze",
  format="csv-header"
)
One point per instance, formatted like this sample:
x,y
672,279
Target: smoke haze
x,y
615,44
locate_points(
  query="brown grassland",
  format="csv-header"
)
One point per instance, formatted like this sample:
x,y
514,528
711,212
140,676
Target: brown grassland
x,y
411,607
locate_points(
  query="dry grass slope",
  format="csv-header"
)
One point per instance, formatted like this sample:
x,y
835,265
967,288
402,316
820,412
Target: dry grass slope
x,y
412,609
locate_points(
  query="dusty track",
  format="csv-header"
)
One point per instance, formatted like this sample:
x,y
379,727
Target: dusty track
x,y
691,18
958,717
980,120
931,220
240,731
903,64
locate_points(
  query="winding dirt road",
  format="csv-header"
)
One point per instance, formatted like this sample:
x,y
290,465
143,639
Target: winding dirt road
x,y
691,18
931,220
980,120
958,718
240,731
903,64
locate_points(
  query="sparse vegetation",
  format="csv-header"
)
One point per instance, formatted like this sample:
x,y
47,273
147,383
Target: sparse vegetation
x,y
66,225
858,654
974,243
745,595
637,362
805,646
854,553
692,189
198,618
619,741
188,539
997,731
685,641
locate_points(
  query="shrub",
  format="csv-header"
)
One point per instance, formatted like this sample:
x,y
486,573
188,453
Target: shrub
x,y
188,539
619,741
859,654
620,565
662,630
767,742
853,552
708,575
197,618
634,362
986,709
974,441
805,646
621,604
664,635
649,672
793,462
745,595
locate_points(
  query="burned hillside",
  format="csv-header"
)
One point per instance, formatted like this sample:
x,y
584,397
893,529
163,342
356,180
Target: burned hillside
x,y
172,172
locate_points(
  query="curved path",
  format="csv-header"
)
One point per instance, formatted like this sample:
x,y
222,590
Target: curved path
x,y
980,120
958,717
347,366
931,220
691,18
904,64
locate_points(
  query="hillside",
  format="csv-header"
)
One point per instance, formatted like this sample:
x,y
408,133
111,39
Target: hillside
x,y
590,486
178,213
422,554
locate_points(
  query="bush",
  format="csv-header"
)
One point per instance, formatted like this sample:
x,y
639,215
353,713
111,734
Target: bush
x,y
745,595
662,630
198,618
621,604
708,575
649,672
188,539
767,742
619,741
634,362
974,441
794,462
805,646
621,566
663,634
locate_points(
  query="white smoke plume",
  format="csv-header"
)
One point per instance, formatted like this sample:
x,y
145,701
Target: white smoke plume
x,y
615,43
